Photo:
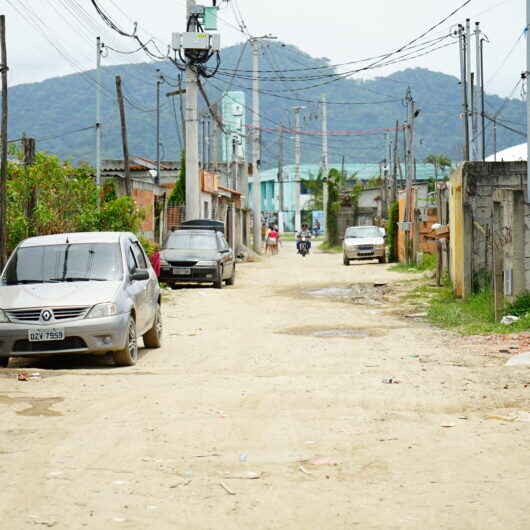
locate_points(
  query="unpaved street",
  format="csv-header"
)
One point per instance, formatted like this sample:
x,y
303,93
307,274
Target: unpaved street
x,y
255,415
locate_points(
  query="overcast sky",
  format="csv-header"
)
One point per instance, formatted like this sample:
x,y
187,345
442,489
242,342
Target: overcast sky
x,y
61,39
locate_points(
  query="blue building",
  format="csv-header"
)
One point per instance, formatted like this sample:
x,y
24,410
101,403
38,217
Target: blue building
x,y
270,188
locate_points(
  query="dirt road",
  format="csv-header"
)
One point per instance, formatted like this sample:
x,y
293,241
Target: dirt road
x,y
255,414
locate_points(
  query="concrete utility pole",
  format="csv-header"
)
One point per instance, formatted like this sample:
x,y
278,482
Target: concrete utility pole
x,y
192,132
99,50
158,83
478,132
325,159
482,101
527,99
280,180
470,89
125,144
463,80
3,132
298,173
256,179
395,168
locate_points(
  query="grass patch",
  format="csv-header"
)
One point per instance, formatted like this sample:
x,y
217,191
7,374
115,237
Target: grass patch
x,y
470,317
428,263
326,247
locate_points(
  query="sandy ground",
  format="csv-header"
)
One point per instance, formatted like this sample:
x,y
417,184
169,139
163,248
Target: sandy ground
x,y
245,419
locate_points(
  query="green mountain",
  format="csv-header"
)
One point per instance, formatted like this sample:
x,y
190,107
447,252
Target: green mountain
x,y
51,110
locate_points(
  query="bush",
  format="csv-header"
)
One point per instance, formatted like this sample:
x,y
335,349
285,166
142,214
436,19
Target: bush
x,y
521,305
52,197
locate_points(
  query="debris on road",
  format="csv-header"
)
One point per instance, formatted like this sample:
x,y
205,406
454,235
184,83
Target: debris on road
x,y
501,418
23,376
390,381
304,470
246,475
226,488
509,319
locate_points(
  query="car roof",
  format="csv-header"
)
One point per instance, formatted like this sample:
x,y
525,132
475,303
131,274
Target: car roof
x,y
196,232
362,226
77,237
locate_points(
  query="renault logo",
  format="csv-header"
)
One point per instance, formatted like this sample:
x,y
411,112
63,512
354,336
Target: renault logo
x,y
46,315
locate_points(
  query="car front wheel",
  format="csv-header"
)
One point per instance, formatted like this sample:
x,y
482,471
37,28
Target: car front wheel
x,y
129,355
153,338
218,284
345,260
4,361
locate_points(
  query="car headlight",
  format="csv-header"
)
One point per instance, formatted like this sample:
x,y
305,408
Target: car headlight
x,y
380,246
3,317
164,263
206,264
103,310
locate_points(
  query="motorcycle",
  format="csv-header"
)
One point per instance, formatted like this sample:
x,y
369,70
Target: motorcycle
x,y
304,246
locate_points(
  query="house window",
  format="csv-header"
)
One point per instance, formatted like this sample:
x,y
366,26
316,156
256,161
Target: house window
x,y
206,210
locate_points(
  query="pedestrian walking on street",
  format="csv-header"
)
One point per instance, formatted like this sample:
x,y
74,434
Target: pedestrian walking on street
x,y
272,240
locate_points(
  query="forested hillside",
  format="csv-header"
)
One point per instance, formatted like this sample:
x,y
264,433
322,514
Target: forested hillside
x,y
50,110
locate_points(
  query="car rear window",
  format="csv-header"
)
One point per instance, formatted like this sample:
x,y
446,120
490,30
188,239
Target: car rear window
x,y
192,242
363,231
68,262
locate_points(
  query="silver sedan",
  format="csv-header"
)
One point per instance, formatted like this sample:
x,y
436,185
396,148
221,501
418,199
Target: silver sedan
x,y
79,293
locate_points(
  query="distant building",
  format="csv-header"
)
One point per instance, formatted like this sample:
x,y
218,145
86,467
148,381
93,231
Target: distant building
x,y
233,112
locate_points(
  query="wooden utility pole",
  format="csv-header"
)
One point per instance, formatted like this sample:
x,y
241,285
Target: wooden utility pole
x,y
28,146
396,161
3,156
119,92
463,77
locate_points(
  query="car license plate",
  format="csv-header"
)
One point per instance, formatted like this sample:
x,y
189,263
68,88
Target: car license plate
x,y
181,271
45,334
366,253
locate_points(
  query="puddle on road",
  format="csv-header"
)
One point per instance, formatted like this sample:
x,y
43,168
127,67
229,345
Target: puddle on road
x,y
358,293
340,333
37,406
335,332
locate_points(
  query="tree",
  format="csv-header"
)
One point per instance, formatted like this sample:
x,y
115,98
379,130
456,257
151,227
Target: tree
x,y
66,201
438,162
178,195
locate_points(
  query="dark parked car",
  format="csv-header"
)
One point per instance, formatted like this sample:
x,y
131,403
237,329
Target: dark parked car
x,y
199,254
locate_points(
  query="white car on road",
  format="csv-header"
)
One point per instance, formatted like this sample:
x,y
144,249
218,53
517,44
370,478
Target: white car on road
x,y
364,242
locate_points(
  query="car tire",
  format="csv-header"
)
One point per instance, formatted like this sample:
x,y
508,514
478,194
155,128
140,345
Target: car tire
x,y
232,279
129,355
218,284
153,338
345,260
382,260
4,361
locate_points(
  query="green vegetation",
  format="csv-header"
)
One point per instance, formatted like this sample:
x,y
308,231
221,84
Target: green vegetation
x,y
392,231
53,197
178,195
333,208
520,307
63,104
332,249
428,263
473,316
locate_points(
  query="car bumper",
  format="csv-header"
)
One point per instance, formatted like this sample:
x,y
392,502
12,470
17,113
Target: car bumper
x,y
97,335
354,253
198,275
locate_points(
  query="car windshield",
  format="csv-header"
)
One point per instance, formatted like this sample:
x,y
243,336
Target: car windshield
x,y
65,263
191,242
363,231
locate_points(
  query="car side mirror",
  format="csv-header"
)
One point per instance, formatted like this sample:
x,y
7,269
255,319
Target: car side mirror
x,y
140,275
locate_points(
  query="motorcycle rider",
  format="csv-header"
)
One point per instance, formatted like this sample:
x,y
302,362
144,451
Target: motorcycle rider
x,y
304,233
